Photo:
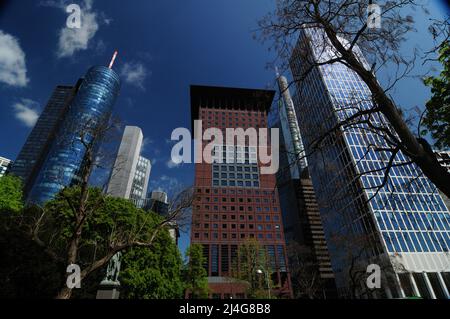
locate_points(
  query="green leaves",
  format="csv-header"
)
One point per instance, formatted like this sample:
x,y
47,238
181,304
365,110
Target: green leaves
x,y
195,274
108,220
437,117
10,194
153,273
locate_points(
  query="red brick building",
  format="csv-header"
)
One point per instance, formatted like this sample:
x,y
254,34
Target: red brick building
x,y
234,202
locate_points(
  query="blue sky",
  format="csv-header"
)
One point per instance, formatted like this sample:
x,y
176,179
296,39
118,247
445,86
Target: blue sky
x,y
164,46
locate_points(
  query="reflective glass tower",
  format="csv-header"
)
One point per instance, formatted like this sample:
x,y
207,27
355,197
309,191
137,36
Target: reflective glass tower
x,y
90,109
400,224
36,148
303,227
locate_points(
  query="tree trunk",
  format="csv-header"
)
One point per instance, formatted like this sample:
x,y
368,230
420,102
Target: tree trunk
x,y
64,293
424,158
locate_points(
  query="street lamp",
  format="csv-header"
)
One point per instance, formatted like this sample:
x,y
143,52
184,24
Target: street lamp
x,y
266,274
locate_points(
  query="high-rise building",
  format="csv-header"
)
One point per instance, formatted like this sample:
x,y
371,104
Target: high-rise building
x,y
234,202
131,172
90,109
36,148
158,203
403,225
307,247
141,178
5,165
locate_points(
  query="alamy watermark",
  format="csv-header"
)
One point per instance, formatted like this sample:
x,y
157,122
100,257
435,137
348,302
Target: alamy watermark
x,y
373,280
239,146
74,279
74,19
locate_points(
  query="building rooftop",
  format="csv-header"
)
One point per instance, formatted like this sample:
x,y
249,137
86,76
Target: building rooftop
x,y
229,98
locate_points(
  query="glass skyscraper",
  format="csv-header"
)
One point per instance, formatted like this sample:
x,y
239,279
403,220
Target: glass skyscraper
x,y
90,108
36,148
400,223
303,227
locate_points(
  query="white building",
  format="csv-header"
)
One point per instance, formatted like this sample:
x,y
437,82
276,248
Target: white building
x,y
4,165
131,172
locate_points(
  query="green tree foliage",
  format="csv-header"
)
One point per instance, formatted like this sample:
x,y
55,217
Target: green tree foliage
x,y
26,270
437,117
254,268
153,273
111,220
10,194
34,245
195,273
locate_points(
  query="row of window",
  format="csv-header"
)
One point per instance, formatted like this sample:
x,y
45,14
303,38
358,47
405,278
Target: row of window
x,y
228,183
410,241
235,168
239,199
234,192
235,176
259,227
217,113
413,221
240,236
241,208
267,218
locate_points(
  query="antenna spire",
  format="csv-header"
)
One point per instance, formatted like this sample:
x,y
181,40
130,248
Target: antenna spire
x,y
113,59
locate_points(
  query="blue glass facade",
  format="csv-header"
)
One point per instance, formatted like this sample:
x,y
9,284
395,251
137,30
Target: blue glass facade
x,y
404,216
91,108
36,148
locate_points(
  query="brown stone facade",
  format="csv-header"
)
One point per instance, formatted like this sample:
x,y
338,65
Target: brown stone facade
x,y
234,202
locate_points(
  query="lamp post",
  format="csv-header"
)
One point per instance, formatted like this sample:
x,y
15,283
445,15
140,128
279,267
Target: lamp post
x,y
266,276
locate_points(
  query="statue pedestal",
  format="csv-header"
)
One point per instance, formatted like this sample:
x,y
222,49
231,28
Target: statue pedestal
x,y
108,290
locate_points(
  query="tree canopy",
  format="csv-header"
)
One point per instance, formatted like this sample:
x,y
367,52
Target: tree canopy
x,y
153,273
195,273
10,194
437,116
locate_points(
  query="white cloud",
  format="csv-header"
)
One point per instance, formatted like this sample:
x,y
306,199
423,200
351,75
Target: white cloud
x,y
73,40
134,73
13,70
170,185
171,164
26,111
146,142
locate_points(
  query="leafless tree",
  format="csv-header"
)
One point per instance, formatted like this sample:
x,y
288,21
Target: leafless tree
x,y
305,274
355,257
345,33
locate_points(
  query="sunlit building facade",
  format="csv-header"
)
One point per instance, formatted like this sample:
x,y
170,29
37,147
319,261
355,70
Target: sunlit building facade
x,y
400,223
131,172
5,165
234,202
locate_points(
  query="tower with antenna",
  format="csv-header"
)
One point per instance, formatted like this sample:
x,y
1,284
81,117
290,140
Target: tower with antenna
x,y
113,59
90,108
